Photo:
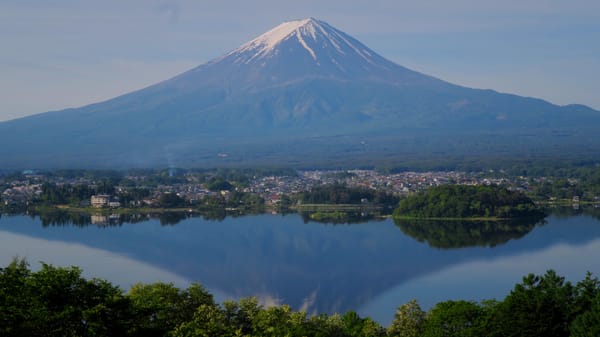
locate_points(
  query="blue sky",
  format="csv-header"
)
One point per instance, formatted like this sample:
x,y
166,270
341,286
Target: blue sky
x,y
57,54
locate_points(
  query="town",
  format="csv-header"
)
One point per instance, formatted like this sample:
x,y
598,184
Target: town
x,y
173,188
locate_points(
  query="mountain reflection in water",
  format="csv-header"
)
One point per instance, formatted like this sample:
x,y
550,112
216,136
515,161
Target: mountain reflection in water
x,y
319,268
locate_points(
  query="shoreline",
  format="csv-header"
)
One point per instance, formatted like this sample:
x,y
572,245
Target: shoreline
x,y
461,219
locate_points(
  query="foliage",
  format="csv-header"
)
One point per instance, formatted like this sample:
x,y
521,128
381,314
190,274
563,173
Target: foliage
x,y
248,318
341,194
539,306
54,194
245,201
588,323
454,318
408,320
240,201
133,194
461,201
219,184
59,302
171,200
161,307
207,321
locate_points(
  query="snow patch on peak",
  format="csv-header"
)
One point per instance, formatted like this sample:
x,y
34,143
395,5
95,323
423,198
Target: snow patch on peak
x,y
303,43
265,43
313,36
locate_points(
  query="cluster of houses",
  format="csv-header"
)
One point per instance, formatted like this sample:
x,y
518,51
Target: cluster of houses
x,y
21,194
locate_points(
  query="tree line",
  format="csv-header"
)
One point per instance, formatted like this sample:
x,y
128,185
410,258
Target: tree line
x,y
58,301
338,193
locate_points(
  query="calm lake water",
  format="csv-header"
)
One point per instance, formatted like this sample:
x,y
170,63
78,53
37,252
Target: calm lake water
x,y
371,267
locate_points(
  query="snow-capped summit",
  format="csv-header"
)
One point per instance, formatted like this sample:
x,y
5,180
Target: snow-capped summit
x,y
300,50
266,43
312,34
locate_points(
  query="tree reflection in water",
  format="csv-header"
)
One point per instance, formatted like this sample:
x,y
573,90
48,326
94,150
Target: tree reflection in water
x,y
449,234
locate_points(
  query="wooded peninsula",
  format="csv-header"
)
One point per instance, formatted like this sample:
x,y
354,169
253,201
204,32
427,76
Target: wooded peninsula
x,y
463,201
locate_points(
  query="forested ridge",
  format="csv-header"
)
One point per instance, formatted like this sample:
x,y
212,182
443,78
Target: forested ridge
x,y
57,301
462,201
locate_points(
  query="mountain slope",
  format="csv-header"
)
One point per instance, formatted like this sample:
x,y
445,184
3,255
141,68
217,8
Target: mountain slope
x,y
305,86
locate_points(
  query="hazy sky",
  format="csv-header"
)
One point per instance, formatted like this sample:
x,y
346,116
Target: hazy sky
x,y
56,54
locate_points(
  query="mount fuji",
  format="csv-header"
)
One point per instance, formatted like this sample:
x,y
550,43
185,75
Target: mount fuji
x,y
301,94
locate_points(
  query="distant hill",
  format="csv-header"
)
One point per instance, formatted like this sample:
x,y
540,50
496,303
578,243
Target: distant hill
x,y
303,93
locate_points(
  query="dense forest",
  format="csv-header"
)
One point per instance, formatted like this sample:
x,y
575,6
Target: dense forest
x,y
461,201
57,301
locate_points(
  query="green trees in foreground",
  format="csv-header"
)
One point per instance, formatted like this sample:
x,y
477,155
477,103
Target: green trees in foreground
x,y
56,301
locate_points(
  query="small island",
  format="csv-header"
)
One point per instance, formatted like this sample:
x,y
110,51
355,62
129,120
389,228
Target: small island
x,y
467,202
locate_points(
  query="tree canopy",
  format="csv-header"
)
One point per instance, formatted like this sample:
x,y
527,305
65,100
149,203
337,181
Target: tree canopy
x,y
342,194
58,301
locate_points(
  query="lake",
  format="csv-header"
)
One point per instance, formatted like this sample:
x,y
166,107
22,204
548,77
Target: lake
x,y
370,267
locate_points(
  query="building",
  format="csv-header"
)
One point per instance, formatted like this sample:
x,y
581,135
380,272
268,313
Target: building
x,y
100,200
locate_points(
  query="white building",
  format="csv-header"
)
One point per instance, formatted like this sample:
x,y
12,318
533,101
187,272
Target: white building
x,y
100,200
